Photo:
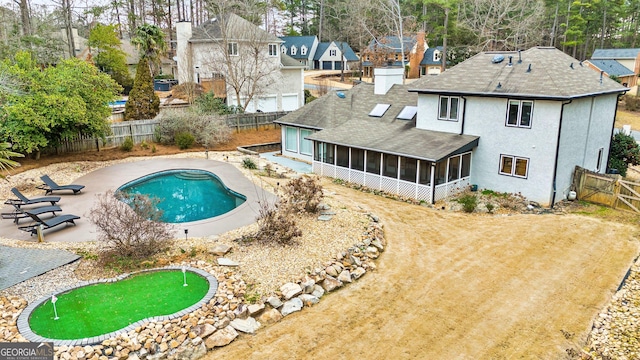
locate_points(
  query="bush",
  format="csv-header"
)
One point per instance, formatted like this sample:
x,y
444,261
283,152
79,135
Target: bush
x,y
128,225
209,130
489,207
625,151
276,225
127,145
248,163
207,103
631,102
144,145
303,194
469,203
184,140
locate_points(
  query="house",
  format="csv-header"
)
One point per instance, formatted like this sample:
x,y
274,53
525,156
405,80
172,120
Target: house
x,y
515,122
301,48
622,63
242,63
431,63
332,55
387,51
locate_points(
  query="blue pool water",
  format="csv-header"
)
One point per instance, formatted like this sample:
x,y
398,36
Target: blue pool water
x,y
186,195
118,103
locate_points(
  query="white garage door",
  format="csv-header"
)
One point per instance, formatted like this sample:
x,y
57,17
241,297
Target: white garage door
x,y
267,104
289,102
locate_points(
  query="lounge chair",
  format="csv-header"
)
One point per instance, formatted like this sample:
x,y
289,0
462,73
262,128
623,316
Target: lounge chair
x,y
19,213
48,223
50,186
23,200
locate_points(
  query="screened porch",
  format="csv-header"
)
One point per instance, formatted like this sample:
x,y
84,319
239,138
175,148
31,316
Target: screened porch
x,y
405,176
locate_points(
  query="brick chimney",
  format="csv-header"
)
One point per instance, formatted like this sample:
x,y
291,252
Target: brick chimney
x,y
416,55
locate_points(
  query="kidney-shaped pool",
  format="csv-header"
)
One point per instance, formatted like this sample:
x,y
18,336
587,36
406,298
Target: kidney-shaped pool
x,y
186,195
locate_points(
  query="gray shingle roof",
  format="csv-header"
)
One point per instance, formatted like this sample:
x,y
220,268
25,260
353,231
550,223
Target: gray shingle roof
x,y
553,75
346,121
349,55
393,42
236,27
289,62
615,53
612,67
298,41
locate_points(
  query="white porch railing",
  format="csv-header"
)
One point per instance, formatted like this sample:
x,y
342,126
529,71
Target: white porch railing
x,y
390,185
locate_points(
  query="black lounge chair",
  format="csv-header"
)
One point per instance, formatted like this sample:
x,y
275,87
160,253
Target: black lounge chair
x,y
23,200
19,213
47,224
50,186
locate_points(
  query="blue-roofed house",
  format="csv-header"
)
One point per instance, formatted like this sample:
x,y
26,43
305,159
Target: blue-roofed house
x,y
623,63
301,48
318,55
329,56
387,51
431,63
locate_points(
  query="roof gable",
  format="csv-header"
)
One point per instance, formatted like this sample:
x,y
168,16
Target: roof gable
x,y
543,72
427,59
322,48
612,67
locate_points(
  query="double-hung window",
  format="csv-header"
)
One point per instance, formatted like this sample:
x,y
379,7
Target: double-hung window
x,y
514,166
233,49
519,113
448,108
273,50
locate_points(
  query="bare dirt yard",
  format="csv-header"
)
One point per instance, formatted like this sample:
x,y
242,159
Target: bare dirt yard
x,y
458,286
453,286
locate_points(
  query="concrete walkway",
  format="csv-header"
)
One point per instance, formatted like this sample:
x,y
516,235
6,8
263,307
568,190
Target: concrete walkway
x,y
295,165
20,264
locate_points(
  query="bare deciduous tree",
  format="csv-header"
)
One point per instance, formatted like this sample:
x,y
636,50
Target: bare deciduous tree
x,y
130,229
503,24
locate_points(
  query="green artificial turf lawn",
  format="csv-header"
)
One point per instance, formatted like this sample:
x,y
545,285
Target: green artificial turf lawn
x,y
102,308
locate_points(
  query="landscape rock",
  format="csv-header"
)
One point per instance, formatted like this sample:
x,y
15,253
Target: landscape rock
x,y
307,285
248,325
204,330
318,291
220,249
331,271
330,283
291,306
227,262
325,217
290,290
255,309
345,276
270,316
308,299
221,337
358,272
275,302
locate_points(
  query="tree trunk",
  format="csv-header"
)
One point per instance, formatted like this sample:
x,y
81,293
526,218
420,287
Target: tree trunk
x,y
66,11
25,17
443,67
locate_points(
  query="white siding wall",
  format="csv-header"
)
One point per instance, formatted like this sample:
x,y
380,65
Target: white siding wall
x,y
586,127
427,117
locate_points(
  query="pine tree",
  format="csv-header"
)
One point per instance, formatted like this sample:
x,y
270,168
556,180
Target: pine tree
x,y
143,102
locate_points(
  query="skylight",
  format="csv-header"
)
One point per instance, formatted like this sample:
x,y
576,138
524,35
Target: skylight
x,y
408,113
379,110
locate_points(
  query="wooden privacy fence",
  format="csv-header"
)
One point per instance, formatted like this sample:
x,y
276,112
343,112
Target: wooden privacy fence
x,y
605,189
144,130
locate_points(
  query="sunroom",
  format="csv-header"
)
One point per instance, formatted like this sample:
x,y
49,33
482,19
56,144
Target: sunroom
x,y
409,162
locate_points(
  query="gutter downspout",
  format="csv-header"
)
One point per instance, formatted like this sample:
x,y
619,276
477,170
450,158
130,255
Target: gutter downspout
x,y
555,165
433,183
464,114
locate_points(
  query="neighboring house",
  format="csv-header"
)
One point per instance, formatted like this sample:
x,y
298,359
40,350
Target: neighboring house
x,y
387,51
314,55
301,48
510,122
167,66
334,55
623,63
232,54
431,63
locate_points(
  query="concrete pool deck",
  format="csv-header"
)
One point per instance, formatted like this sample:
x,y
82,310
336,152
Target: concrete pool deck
x,y
112,177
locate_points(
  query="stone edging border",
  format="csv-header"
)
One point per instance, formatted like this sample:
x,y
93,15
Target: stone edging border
x,y
25,329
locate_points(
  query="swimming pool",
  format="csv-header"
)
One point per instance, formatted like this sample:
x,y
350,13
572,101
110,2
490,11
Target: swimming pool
x,y
186,195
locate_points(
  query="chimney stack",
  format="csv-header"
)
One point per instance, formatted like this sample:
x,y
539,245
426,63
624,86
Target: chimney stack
x,y
385,78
